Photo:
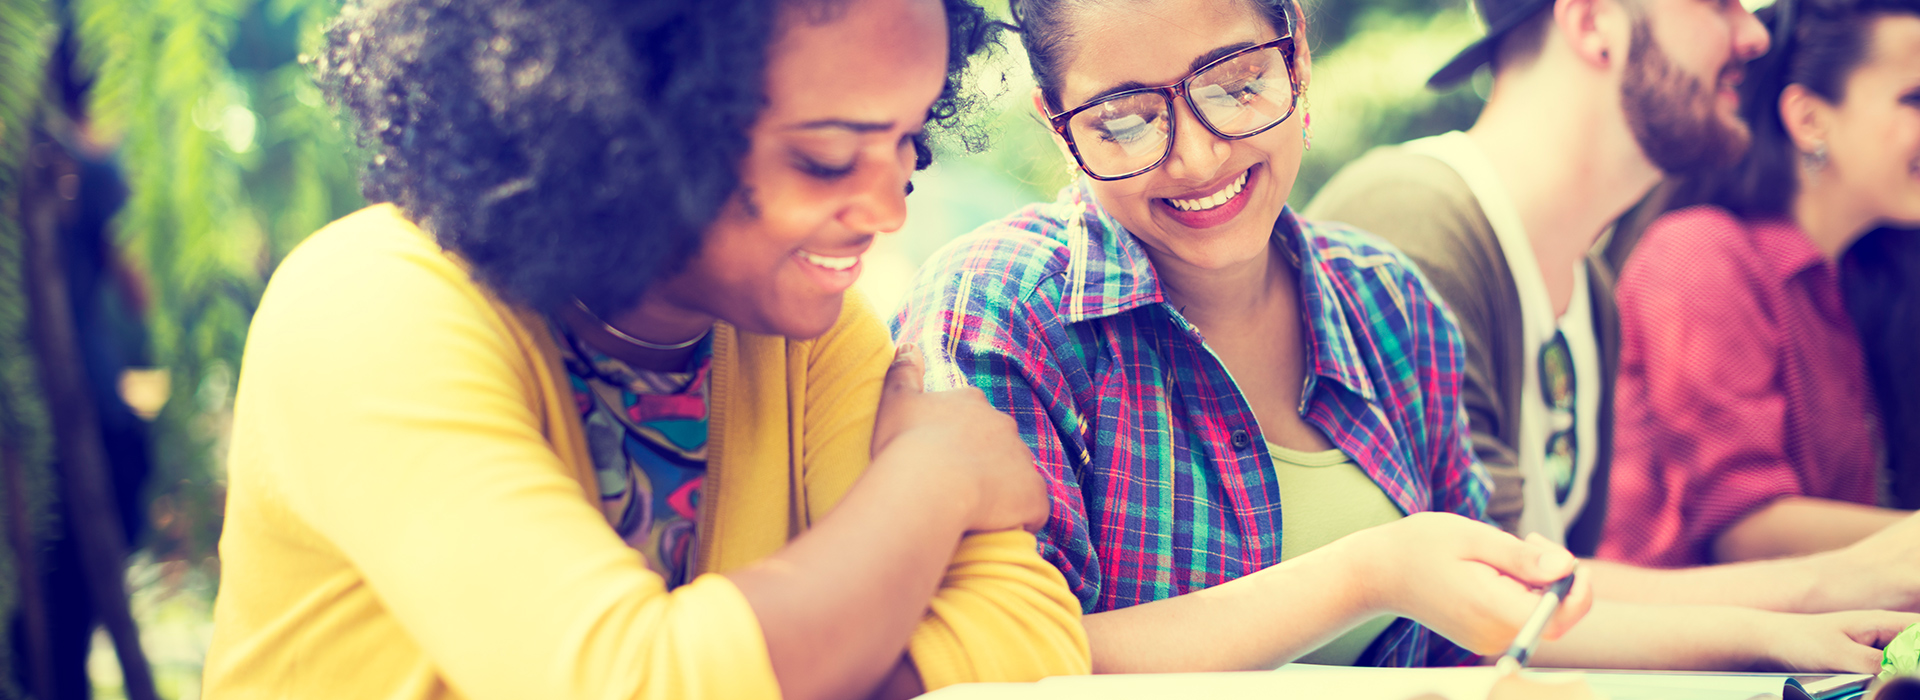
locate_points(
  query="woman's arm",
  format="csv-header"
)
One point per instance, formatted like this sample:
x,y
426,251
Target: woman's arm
x,y
1724,638
1800,525
838,604
998,612
1880,571
1467,580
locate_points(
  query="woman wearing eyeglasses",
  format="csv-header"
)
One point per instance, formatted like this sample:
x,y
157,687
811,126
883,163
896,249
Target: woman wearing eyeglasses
x,y
580,412
1235,410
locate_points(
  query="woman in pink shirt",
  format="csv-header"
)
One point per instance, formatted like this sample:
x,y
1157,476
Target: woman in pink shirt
x,y
1747,426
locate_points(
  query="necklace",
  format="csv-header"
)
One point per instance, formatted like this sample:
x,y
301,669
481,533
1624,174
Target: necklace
x,y
636,341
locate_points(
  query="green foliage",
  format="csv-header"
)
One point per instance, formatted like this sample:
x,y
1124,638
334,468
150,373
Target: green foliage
x,y
231,158
25,429
1372,90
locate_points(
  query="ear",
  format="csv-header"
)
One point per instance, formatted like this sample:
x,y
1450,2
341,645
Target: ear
x,y
1302,53
1598,31
1805,116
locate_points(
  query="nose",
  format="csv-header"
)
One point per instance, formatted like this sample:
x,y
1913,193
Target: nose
x,y
1197,154
880,203
1750,39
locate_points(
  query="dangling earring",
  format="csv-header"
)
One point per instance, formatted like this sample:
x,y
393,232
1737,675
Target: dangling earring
x,y
1815,160
1306,129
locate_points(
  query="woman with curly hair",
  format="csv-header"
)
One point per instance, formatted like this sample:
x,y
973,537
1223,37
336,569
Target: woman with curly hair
x,y
579,410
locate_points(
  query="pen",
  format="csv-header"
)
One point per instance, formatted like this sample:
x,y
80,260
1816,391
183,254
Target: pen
x,y
1529,637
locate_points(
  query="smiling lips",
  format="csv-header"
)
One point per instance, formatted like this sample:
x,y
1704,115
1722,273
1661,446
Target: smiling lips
x,y
835,264
1214,200
1213,209
832,274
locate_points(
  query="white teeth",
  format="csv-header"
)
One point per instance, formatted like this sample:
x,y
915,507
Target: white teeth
x,y
1215,199
836,264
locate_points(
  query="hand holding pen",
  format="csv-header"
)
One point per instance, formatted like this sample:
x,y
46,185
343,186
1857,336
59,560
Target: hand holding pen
x,y
1529,637
1467,580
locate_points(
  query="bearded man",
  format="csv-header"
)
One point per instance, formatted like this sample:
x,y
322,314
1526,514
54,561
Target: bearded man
x,y
1593,102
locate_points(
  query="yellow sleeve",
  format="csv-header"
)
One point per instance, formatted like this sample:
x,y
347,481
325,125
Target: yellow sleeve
x,y
1002,613
399,415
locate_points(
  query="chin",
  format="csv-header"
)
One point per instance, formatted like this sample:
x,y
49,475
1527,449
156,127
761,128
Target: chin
x,y
801,323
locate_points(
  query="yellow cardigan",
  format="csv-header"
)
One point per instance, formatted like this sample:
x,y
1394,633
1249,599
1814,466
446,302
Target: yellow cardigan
x,y
411,510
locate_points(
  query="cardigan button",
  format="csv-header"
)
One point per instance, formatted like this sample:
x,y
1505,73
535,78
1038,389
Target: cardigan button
x,y
1241,440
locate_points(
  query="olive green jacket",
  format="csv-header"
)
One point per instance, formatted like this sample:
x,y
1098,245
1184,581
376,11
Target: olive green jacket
x,y
1422,206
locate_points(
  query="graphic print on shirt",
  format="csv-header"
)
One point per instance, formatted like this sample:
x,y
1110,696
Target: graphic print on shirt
x,y
647,435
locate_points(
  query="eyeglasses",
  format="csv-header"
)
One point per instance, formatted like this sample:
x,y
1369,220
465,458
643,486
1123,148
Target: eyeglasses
x,y
1557,390
1235,96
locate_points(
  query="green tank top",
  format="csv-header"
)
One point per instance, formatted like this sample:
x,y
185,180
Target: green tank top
x,y
1324,496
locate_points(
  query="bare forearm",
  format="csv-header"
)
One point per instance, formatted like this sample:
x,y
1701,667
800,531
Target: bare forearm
x,y
1786,585
1259,621
838,603
1767,572
1797,526
1682,638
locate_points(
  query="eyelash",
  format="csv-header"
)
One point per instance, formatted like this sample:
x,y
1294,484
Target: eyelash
x,y
817,169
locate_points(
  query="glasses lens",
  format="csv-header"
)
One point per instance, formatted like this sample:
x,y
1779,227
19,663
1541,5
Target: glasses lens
x,y
1245,94
1556,373
1122,135
1562,450
1557,390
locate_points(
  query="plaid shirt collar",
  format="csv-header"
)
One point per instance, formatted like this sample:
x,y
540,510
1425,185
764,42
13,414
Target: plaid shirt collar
x,y
1109,273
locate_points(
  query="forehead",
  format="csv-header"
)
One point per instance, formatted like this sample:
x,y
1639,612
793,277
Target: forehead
x,y
1153,42
857,59
1895,45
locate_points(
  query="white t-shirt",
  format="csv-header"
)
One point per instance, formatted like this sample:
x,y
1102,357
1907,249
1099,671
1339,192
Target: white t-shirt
x,y
1543,511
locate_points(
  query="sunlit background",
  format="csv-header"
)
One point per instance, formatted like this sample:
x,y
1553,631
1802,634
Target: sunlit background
x,y
232,157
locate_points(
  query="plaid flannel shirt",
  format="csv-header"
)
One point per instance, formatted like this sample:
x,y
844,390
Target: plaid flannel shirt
x,y
1158,474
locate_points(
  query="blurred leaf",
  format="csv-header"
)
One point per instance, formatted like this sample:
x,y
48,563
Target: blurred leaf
x,y
232,159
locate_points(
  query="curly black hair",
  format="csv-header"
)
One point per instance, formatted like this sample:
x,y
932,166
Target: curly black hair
x,y
573,148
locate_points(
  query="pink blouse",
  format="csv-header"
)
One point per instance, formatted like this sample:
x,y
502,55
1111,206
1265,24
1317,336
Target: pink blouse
x,y
1741,381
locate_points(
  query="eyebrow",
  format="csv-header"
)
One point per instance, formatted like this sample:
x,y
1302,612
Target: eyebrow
x,y
843,124
1201,61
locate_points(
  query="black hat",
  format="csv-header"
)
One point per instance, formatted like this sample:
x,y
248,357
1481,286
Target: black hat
x,y
1501,16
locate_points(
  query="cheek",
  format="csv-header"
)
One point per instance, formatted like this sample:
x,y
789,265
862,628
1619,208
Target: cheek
x,y
1906,134
1126,200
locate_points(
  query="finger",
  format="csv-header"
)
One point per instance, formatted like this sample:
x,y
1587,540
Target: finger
x,y
1044,511
908,373
1534,561
1554,561
1578,603
905,377
1882,628
1859,659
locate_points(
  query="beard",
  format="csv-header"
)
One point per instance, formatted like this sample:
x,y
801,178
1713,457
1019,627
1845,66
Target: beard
x,y
1674,115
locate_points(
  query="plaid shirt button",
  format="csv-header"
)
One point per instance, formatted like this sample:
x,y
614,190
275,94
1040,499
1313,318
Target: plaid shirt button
x,y
1241,440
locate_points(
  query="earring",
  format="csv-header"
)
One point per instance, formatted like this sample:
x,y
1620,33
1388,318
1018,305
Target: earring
x,y
1306,130
1815,160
